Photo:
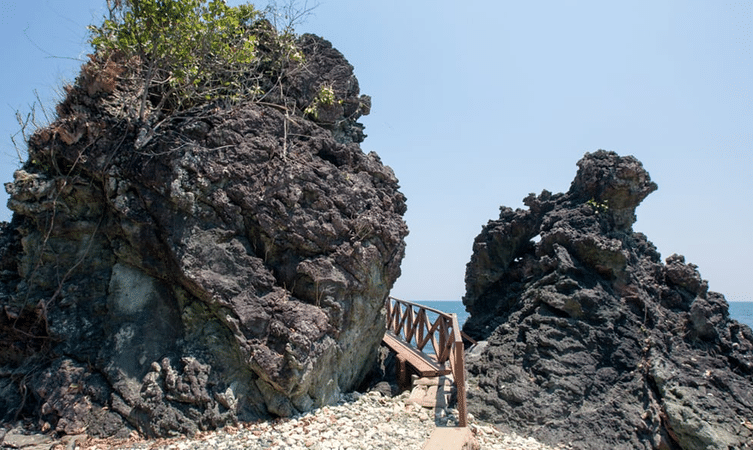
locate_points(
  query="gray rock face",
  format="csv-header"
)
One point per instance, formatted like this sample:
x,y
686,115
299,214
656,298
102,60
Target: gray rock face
x,y
231,266
590,338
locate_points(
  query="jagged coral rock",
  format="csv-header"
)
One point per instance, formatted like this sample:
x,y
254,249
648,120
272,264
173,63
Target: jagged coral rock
x,y
230,264
589,338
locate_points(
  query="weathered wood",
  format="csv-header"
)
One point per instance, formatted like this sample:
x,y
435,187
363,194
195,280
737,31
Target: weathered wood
x,y
424,365
405,325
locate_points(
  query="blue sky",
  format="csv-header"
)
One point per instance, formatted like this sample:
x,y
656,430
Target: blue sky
x,y
478,103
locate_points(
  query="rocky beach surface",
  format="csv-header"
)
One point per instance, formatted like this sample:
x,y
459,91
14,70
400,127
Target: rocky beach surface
x,y
358,421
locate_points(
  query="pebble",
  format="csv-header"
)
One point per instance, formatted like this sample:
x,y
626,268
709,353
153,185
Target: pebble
x,y
359,421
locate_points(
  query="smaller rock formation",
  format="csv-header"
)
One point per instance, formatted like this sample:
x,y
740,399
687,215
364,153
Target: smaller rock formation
x,y
590,338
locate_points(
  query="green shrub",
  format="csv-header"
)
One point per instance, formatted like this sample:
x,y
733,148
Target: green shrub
x,y
184,51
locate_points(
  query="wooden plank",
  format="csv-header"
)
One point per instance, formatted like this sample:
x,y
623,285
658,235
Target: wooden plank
x,y
419,361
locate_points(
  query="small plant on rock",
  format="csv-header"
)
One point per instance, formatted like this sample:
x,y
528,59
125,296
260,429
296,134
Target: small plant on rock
x,y
597,206
324,98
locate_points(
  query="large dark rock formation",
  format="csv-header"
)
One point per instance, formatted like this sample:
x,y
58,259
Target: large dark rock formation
x,y
229,263
590,338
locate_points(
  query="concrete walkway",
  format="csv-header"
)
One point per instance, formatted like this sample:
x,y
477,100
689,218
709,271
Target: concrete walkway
x,y
452,439
433,393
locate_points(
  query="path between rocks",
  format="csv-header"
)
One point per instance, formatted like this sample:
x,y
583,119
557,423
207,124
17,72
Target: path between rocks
x,y
359,421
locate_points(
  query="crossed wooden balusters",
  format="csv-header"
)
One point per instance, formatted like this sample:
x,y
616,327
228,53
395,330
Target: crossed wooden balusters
x,y
409,330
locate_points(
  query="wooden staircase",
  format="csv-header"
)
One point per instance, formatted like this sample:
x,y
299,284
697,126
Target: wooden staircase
x,y
409,332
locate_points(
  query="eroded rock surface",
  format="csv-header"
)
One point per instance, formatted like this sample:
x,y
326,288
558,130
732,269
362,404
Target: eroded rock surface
x,y
227,264
590,338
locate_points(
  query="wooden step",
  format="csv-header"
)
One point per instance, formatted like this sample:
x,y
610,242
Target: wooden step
x,y
424,365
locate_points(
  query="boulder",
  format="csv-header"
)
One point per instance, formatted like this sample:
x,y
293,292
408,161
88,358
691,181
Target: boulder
x,y
228,263
590,338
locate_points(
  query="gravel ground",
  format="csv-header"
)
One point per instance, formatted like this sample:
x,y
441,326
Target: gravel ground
x,y
360,421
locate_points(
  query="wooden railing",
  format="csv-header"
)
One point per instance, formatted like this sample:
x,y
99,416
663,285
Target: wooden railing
x,y
410,322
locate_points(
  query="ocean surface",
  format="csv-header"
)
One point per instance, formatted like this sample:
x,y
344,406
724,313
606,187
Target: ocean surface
x,y
740,311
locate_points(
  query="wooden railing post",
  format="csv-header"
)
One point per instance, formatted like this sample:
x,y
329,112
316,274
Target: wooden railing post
x,y
458,372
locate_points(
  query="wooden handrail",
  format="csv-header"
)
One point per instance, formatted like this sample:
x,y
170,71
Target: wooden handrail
x,y
445,336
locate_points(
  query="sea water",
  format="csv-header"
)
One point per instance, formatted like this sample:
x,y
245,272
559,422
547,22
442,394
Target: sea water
x,y
740,311
447,306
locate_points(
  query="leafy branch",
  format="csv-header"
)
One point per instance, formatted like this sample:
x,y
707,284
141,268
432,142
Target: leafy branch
x,y
183,51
